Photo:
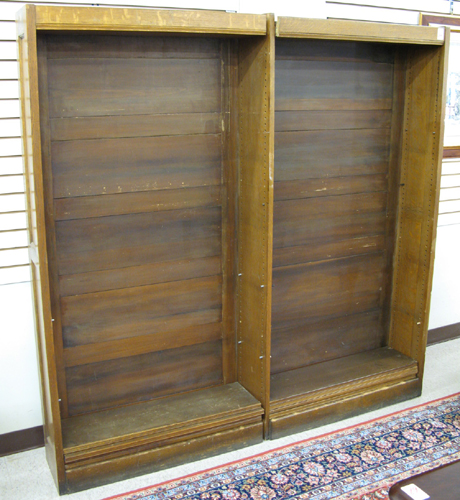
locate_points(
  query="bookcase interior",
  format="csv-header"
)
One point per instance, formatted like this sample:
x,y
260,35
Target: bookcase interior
x,y
140,165
340,165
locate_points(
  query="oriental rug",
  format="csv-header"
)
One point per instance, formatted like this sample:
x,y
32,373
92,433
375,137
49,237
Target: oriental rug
x,y
360,462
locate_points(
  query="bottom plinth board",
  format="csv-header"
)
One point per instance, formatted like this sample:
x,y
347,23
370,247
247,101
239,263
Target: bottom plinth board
x,y
125,442
327,392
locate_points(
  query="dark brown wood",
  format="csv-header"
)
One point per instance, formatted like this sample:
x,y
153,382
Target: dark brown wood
x,y
133,276
50,224
229,120
130,440
418,201
84,207
327,288
439,483
143,86
157,238
23,440
393,184
106,384
133,346
332,120
451,152
317,340
346,404
85,432
443,333
286,256
82,168
342,129
100,45
347,370
104,316
105,127
137,239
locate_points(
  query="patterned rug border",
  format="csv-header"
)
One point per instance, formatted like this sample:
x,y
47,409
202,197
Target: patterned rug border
x,y
363,495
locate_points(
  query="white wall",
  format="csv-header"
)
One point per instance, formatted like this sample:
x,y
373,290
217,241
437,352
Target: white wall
x,y
19,388
445,298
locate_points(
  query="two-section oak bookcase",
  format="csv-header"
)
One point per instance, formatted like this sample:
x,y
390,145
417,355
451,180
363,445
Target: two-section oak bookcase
x,y
207,271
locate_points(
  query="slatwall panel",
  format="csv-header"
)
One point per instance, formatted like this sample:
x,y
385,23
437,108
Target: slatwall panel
x,y
14,261
449,204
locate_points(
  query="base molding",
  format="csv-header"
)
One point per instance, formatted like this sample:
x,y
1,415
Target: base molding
x,y
443,333
28,439
25,439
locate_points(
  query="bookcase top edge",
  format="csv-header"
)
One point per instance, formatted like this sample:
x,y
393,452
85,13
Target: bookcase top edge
x,y
51,17
336,29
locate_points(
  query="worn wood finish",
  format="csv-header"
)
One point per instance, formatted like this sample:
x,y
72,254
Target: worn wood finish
x,y
340,335
195,161
229,103
358,369
141,201
174,21
28,68
106,384
327,339
330,210
133,276
346,405
418,201
50,224
131,440
111,127
256,150
139,155
351,30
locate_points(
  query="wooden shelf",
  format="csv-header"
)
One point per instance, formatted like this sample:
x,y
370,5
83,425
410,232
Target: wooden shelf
x,y
153,427
323,380
319,394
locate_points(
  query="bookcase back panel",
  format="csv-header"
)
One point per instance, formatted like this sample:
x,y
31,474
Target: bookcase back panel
x,y
111,383
136,174
332,153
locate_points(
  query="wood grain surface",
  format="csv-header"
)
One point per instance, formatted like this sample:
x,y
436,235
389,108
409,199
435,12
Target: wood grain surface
x,y
135,159
332,151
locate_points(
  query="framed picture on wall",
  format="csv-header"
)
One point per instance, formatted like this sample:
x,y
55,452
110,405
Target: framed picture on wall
x,y
452,117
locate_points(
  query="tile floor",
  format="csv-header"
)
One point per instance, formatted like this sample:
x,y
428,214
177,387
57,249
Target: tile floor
x,y
25,476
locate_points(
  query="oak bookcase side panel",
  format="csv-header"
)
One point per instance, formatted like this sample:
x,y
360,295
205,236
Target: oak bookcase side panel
x,y
418,200
30,113
255,194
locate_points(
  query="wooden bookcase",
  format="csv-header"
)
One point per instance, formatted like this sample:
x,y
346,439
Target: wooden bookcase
x,y
208,272
358,121
140,223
